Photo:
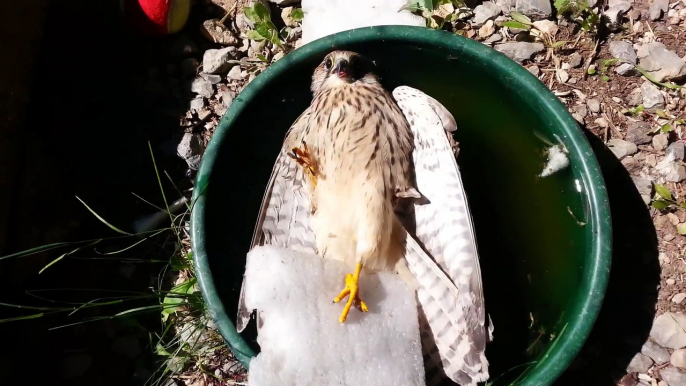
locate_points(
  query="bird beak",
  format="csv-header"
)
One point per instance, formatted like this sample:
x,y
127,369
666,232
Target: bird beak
x,y
342,68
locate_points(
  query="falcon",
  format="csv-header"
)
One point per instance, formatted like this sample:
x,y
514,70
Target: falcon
x,y
370,178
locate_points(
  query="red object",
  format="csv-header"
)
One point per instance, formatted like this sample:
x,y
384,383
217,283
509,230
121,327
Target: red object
x,y
155,17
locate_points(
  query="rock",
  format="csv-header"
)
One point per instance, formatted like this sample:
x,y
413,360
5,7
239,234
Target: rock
x,y
212,78
626,69
673,377
615,11
652,97
677,150
562,76
635,97
534,70
622,148
227,97
202,87
190,149
494,38
661,63
660,141
602,122
487,29
575,60
485,11
235,73
581,110
678,298
657,8
669,330
182,46
593,105
189,66
519,51
673,172
678,357
645,189
197,104
534,9
623,50
639,364
287,18
215,31
670,281
243,23
546,26
637,132
656,352
506,5
217,61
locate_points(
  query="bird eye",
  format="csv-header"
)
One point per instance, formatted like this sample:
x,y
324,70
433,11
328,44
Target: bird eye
x,y
328,64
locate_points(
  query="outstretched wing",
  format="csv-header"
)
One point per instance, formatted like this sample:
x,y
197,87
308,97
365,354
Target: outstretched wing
x,y
284,214
452,312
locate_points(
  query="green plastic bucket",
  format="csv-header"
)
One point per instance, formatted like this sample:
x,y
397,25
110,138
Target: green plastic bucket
x,y
545,243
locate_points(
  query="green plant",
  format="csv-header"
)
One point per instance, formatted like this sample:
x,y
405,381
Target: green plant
x,y
665,199
580,12
265,30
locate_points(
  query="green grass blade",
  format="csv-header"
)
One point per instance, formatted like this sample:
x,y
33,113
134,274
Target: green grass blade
x,y
103,220
133,245
650,78
19,318
67,254
42,248
159,181
147,202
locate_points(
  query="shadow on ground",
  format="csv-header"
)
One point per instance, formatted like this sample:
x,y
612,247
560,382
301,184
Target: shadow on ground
x,y
629,307
84,133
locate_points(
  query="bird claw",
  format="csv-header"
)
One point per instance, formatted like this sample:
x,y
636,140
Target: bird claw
x,y
351,289
303,158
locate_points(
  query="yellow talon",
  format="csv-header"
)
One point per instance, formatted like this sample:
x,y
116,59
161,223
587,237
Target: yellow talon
x,y
351,288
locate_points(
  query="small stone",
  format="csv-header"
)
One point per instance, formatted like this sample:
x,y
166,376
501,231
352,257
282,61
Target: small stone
x,y
669,330
663,258
487,29
534,70
593,105
287,18
227,97
639,364
673,218
190,149
623,50
212,78
660,141
677,150
670,281
635,97
189,66
485,11
637,28
562,76
566,66
657,8
678,298
602,122
644,188
494,38
575,60
652,97
673,377
217,61
197,104
656,352
615,11
634,14
622,148
215,31
626,69
661,63
546,26
235,73
202,87
519,51
581,110
616,100
534,9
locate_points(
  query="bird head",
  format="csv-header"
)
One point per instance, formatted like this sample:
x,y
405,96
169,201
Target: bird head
x,y
339,68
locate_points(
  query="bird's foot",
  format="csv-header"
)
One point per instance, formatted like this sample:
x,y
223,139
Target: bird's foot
x,y
303,158
352,289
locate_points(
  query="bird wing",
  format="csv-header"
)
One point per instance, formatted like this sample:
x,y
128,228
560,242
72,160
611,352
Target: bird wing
x,y
450,289
284,214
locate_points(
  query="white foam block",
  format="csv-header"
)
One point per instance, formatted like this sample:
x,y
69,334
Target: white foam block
x,y
302,342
